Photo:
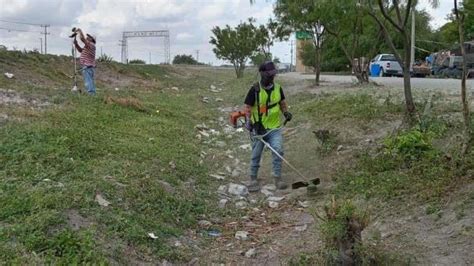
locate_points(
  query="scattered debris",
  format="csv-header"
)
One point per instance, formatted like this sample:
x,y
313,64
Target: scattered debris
x,y
204,223
214,233
102,202
245,147
152,235
273,204
276,199
250,253
238,190
9,75
241,235
240,204
304,204
301,228
218,177
222,203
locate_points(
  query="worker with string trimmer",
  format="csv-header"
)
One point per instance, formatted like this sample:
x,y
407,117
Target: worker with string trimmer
x,y
264,105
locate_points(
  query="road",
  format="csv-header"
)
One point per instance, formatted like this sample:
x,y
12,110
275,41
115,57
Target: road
x,y
393,82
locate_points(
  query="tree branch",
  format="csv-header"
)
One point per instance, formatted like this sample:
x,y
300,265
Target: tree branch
x,y
388,18
407,12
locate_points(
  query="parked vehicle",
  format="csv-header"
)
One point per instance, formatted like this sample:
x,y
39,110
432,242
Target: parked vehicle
x,y
420,69
385,65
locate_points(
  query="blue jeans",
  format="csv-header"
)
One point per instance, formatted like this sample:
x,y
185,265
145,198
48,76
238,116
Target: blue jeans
x,y
88,73
275,139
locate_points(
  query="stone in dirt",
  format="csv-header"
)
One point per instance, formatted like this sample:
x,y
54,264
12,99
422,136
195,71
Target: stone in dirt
x,y
204,223
250,253
340,147
166,186
270,187
175,88
266,192
235,173
222,203
301,228
241,235
273,204
212,87
9,75
245,147
221,144
238,190
102,202
218,177
275,199
304,204
240,204
222,189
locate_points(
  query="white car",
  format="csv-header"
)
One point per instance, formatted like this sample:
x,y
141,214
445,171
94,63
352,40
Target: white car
x,y
386,65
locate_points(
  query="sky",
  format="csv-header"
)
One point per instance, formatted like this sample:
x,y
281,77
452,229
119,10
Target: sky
x,y
189,22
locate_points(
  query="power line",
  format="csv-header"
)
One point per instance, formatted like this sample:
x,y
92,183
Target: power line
x,y
10,29
23,23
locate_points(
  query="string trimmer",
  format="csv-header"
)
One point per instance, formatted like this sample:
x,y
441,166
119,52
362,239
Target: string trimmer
x,y
235,120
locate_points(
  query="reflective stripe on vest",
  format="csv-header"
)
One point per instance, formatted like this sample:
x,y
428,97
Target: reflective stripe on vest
x,y
270,116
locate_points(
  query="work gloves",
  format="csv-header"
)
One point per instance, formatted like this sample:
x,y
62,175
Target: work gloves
x,y
288,116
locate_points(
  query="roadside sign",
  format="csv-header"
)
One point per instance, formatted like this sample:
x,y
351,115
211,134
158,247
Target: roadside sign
x,y
303,35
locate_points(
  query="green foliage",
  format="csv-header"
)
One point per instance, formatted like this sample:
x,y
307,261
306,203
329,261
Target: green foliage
x,y
104,58
184,59
411,144
137,61
259,58
238,44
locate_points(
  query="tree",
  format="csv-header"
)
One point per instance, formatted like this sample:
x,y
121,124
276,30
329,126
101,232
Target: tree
x,y
258,58
238,44
396,14
302,16
137,62
460,18
184,59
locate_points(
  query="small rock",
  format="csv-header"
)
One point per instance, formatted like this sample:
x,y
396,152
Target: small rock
x,y
175,88
304,204
250,253
301,228
117,89
9,75
218,177
172,165
245,147
240,204
266,192
275,199
238,190
221,144
102,202
241,235
270,187
204,223
219,99
166,186
235,173
339,148
152,235
222,189
212,87
273,204
205,99
177,243
222,203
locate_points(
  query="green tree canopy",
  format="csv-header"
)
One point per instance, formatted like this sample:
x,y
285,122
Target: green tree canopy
x,y
238,44
184,59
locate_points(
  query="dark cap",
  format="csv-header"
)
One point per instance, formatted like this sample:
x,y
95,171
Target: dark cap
x,y
268,68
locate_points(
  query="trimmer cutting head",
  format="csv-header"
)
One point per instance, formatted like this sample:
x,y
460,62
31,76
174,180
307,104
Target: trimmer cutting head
x,y
300,184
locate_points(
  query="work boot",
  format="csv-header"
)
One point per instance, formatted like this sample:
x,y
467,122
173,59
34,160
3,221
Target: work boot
x,y
254,186
280,184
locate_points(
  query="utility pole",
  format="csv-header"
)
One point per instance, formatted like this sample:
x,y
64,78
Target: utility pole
x,y
197,55
412,52
45,26
41,44
101,51
291,58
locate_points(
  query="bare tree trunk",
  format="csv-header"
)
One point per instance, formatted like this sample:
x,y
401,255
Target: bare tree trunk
x,y
465,103
318,65
407,79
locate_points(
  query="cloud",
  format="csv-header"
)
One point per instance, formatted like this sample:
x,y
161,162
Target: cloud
x,y
183,36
